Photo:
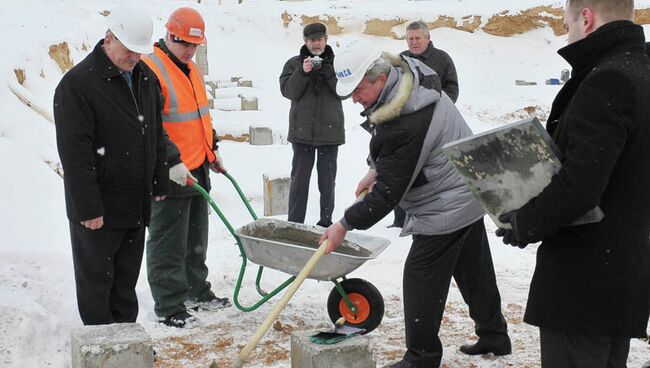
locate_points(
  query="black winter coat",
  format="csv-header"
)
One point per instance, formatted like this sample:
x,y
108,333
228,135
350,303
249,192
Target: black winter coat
x,y
111,142
316,115
443,65
595,278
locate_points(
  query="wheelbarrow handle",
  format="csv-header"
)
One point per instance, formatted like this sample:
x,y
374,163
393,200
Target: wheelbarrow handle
x,y
261,331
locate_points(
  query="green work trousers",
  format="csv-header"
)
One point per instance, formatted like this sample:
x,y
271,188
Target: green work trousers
x,y
176,253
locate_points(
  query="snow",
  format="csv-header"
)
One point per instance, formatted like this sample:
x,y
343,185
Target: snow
x,y
37,296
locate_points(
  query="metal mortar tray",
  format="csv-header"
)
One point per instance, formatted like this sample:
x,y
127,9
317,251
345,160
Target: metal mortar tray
x,y
287,246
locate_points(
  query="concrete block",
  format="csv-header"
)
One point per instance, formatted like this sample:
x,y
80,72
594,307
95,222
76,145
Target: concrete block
x,y
276,196
248,103
235,79
211,103
213,88
245,83
201,58
260,136
118,345
350,353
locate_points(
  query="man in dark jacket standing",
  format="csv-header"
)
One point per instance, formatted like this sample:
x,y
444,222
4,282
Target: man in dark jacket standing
x,y
315,122
421,48
589,293
410,119
112,147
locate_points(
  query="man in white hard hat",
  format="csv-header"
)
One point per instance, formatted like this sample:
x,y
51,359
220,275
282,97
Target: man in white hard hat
x,y
410,120
112,147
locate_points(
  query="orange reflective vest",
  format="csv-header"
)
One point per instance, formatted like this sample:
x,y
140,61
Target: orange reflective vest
x,y
185,115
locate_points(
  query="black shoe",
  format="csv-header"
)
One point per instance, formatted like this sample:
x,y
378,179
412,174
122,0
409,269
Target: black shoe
x,y
483,347
179,320
396,224
324,223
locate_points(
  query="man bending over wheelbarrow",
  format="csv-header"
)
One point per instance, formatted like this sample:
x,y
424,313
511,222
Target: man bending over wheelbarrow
x,y
410,120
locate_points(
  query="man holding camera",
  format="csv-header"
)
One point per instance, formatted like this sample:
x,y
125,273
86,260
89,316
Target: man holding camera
x,y
315,122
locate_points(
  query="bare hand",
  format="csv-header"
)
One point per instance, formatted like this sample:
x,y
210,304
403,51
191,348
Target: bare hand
x,y
94,224
307,65
334,236
159,198
366,183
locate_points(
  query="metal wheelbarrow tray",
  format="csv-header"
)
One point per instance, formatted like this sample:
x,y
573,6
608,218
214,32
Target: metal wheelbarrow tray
x,y
287,246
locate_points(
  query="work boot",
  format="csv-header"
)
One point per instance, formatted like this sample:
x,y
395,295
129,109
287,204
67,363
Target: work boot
x,y
179,320
208,305
483,346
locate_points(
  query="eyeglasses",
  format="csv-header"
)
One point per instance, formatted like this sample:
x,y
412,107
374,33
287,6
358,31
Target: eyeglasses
x,y
176,39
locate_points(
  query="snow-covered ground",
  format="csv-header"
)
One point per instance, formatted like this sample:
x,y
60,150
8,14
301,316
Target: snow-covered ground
x,y
37,298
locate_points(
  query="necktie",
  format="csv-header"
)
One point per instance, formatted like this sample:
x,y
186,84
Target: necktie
x,y
128,77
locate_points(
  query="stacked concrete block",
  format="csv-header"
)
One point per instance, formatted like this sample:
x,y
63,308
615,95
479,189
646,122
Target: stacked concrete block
x,y
248,103
276,195
350,353
118,345
201,58
245,83
260,136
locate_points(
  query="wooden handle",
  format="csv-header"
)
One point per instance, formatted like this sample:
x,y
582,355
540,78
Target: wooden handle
x,y
261,331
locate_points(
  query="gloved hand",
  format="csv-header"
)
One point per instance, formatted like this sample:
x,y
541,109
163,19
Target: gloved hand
x,y
511,236
217,165
179,174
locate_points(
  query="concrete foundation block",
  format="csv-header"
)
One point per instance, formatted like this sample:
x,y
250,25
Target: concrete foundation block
x,y
211,103
248,103
260,136
276,195
118,345
350,353
245,83
212,88
201,58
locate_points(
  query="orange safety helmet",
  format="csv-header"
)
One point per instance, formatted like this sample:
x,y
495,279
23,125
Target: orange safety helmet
x,y
187,25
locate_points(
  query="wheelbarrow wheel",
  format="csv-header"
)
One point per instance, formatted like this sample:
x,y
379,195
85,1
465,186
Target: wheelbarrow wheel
x,y
366,298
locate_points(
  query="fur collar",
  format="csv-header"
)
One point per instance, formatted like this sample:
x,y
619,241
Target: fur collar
x,y
393,107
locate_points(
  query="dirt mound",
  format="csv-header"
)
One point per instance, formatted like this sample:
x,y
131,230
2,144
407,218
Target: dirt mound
x,y
61,54
20,75
642,16
503,24
506,25
382,27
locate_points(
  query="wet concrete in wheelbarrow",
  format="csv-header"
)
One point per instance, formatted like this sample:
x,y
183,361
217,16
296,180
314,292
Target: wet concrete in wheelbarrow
x,y
303,238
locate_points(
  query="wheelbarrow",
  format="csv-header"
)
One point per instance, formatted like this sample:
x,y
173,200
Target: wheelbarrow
x,y
287,246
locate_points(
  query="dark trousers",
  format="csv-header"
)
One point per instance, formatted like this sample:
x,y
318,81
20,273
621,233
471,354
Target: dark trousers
x,y
106,268
301,168
431,262
569,350
176,253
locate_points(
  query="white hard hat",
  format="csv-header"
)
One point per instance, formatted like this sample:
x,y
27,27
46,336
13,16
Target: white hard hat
x,y
352,63
133,28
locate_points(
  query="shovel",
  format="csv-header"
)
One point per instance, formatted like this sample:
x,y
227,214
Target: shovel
x,y
261,331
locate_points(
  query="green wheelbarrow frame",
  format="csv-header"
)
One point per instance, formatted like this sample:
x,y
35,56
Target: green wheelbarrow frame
x,y
265,296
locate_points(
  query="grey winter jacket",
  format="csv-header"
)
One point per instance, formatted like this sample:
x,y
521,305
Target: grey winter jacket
x,y
316,115
410,123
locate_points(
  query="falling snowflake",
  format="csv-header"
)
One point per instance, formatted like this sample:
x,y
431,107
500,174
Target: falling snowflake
x,y
101,151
